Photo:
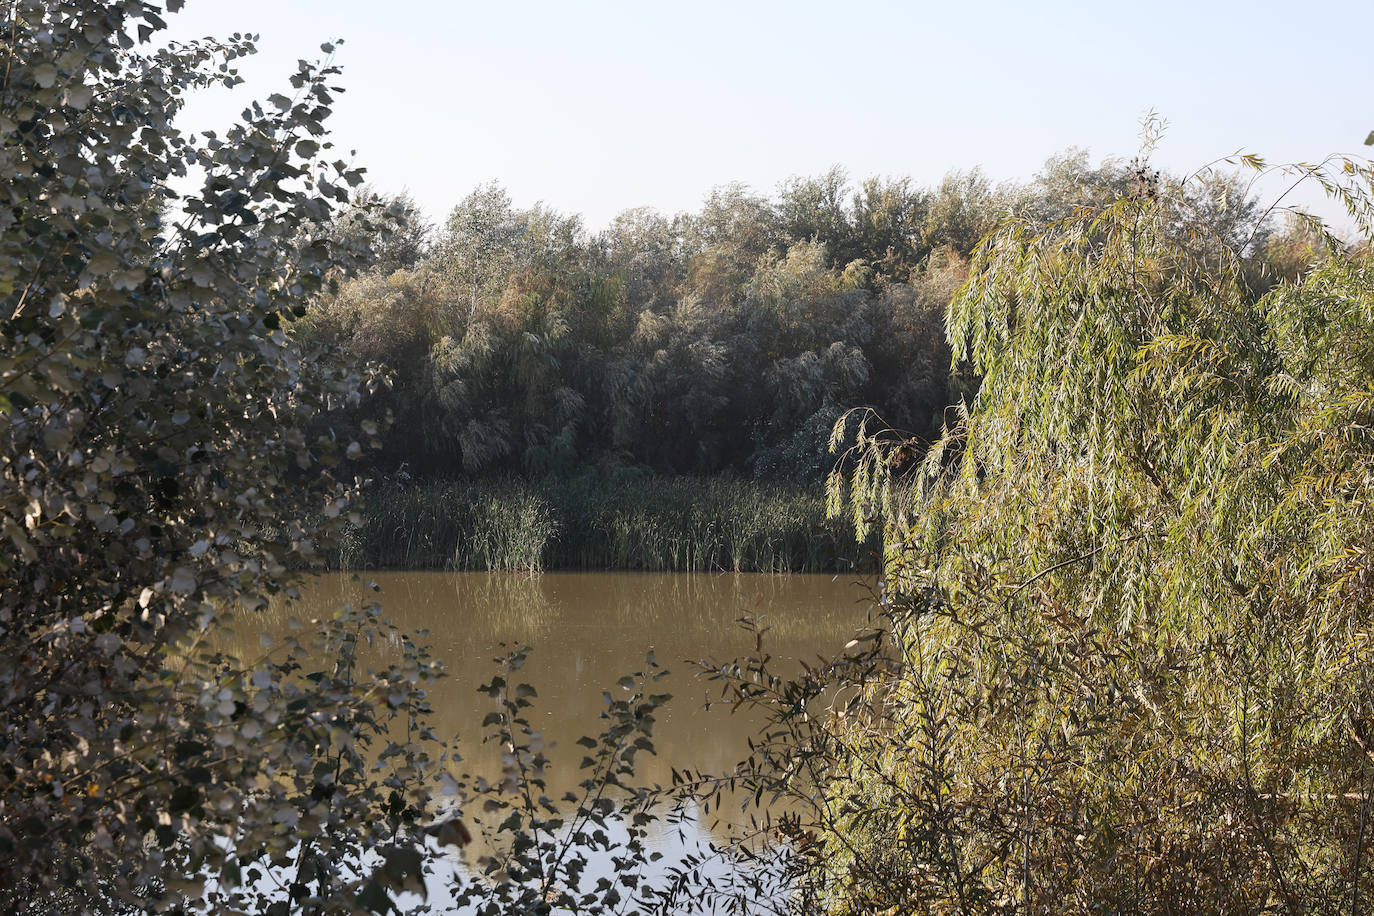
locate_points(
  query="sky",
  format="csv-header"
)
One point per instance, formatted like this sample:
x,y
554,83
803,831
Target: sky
x,y
597,107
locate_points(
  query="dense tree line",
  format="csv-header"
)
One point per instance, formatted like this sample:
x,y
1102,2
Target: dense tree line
x,y
731,338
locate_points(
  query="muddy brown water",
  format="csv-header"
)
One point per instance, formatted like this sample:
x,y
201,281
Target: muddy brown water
x,y
587,630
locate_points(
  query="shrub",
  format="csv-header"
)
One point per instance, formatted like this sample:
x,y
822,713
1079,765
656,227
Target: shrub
x,y
1132,671
1126,667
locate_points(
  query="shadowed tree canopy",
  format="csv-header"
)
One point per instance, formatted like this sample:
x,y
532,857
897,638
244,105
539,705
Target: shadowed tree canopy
x,y
721,341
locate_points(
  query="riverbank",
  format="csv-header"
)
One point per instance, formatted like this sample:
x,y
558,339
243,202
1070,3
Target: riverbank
x,y
621,521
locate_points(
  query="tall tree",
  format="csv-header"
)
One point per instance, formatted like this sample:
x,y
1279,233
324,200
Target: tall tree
x,y
159,478
815,210
482,242
1130,585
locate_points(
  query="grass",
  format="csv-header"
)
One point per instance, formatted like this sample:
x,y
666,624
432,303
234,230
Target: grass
x,y
617,519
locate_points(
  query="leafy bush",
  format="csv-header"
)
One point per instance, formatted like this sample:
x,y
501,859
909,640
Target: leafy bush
x,y
1132,667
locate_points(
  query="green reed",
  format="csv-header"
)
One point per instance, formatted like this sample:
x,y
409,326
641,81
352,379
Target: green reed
x,y
605,520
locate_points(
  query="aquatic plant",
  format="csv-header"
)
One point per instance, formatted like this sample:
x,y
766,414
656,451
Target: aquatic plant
x,y
615,520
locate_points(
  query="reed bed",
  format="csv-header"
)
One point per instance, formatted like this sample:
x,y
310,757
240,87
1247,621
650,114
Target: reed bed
x,y
602,521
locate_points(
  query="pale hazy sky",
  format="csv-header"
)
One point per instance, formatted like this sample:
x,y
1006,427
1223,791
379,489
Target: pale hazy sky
x,y
595,107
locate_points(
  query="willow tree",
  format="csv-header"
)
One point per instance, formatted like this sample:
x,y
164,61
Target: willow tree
x,y
159,478
1132,584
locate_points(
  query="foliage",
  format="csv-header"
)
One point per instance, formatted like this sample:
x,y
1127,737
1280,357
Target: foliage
x,y
159,478
1129,585
539,848
1129,588
391,228
694,345
601,518
708,342
1296,249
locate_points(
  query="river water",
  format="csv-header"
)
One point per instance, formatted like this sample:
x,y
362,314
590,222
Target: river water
x,y
587,630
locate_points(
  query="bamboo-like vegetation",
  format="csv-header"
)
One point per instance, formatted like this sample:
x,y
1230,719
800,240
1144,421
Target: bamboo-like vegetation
x,y
622,520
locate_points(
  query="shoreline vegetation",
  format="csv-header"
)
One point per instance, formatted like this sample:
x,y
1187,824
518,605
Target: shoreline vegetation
x,y
618,520
1127,661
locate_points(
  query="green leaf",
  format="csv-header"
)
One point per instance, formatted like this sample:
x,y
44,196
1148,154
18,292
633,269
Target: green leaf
x,y
183,799
45,75
374,898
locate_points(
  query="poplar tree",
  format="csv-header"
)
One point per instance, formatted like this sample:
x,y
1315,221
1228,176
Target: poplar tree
x,y
162,475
